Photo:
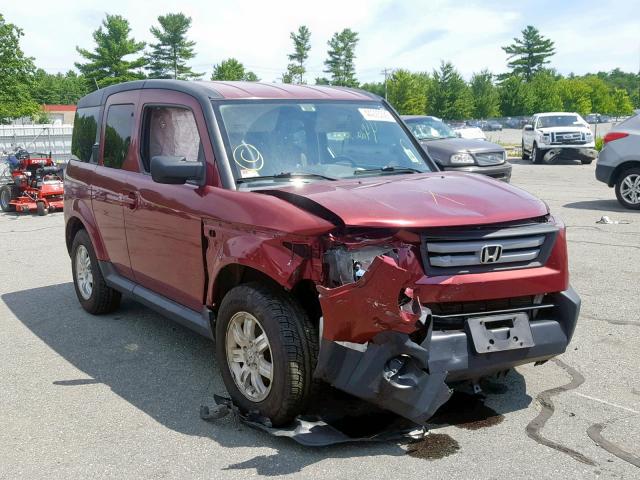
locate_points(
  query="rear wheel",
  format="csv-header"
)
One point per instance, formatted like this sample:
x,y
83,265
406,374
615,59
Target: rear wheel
x,y
94,294
266,348
628,188
6,195
586,161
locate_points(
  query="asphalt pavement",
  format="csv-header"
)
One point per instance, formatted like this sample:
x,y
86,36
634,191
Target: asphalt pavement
x,y
118,396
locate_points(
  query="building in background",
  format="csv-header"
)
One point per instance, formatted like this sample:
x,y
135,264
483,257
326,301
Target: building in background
x,y
60,114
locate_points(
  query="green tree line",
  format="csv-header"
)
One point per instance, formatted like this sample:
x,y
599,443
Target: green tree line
x,y
116,56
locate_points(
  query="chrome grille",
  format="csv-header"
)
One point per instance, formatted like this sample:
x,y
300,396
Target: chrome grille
x,y
486,249
567,137
490,158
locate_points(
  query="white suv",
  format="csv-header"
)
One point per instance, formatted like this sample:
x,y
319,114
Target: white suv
x,y
558,135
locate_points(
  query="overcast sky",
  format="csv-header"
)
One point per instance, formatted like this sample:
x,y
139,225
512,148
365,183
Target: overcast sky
x,y
589,35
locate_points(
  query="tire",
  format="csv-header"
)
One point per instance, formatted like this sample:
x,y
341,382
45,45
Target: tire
x,y
628,177
586,162
524,156
6,195
537,155
100,298
42,210
292,350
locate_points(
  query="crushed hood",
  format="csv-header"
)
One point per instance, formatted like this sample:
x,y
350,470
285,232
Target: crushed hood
x,y
438,199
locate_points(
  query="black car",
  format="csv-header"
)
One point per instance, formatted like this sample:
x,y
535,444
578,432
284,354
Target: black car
x,y
460,154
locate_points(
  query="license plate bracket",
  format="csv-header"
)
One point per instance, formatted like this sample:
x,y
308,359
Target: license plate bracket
x,y
497,333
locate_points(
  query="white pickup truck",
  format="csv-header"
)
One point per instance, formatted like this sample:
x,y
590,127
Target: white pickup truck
x,y
558,135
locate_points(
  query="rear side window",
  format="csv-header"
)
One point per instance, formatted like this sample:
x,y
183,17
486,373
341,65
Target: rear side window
x,y
85,127
170,131
117,135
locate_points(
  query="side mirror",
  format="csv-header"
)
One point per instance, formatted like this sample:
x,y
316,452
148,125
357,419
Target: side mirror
x,y
175,170
528,127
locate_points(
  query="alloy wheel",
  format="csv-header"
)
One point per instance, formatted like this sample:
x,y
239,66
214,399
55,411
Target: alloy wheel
x,y
630,189
249,356
84,275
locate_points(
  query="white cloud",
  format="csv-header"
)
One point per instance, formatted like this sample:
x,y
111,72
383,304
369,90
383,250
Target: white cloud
x,y
409,34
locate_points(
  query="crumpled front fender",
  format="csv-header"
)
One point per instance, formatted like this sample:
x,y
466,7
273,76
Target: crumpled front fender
x,y
366,350
357,311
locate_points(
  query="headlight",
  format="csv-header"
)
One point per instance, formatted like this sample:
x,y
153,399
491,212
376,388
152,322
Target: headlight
x,y
347,266
545,138
461,158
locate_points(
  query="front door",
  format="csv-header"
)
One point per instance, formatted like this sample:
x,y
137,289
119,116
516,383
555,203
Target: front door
x,y
164,228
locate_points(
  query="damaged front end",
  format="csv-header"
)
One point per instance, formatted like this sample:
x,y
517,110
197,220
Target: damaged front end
x,y
404,316
375,334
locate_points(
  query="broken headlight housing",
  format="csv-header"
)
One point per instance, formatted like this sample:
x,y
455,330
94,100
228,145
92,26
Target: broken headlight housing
x,y
348,266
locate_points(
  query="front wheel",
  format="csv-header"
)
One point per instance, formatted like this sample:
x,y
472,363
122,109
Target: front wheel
x,y
537,155
628,188
524,155
42,210
266,348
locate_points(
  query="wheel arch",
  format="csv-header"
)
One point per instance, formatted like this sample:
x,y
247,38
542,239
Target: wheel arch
x,y
619,170
234,274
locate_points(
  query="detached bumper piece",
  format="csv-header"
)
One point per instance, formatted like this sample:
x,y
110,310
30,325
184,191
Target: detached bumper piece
x,y
391,371
320,430
582,154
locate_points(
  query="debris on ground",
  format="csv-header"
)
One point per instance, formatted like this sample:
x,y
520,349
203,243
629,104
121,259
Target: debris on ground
x,y
358,422
607,220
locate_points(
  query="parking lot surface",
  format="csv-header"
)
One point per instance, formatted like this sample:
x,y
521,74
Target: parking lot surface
x,y
118,396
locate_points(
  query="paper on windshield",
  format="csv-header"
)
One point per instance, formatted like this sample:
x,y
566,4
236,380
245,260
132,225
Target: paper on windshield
x,y
376,115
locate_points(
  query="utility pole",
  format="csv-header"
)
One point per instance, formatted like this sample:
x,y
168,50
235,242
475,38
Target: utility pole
x,y
386,72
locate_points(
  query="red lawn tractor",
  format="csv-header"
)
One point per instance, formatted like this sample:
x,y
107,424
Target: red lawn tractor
x,y
34,184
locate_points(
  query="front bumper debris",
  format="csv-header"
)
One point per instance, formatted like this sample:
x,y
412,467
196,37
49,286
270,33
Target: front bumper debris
x,y
570,153
410,379
320,429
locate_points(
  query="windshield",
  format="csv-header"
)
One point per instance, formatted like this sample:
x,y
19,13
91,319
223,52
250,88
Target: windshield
x,y
327,140
559,121
429,129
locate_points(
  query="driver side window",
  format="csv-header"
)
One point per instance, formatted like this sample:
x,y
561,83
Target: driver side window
x,y
170,131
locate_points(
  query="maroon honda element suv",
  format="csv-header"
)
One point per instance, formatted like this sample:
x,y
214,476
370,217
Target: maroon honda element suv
x,y
305,230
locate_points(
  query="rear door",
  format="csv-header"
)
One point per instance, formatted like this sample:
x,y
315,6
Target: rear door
x,y
164,228
114,177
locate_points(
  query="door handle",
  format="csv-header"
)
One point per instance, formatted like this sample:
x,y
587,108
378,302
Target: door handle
x,y
130,200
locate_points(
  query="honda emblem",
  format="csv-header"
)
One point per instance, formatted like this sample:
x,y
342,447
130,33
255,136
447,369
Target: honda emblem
x,y
490,253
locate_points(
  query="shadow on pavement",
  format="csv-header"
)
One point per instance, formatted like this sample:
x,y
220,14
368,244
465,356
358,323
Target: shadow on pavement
x,y
168,371
604,205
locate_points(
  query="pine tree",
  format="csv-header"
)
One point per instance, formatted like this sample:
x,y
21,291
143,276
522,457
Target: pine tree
x,y
169,56
340,63
407,92
486,101
301,46
530,53
106,65
450,96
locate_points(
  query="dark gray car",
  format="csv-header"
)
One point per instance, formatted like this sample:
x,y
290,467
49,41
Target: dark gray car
x,y
459,154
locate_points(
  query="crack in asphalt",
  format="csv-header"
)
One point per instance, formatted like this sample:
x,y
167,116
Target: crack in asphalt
x,y
595,434
604,244
535,426
612,322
